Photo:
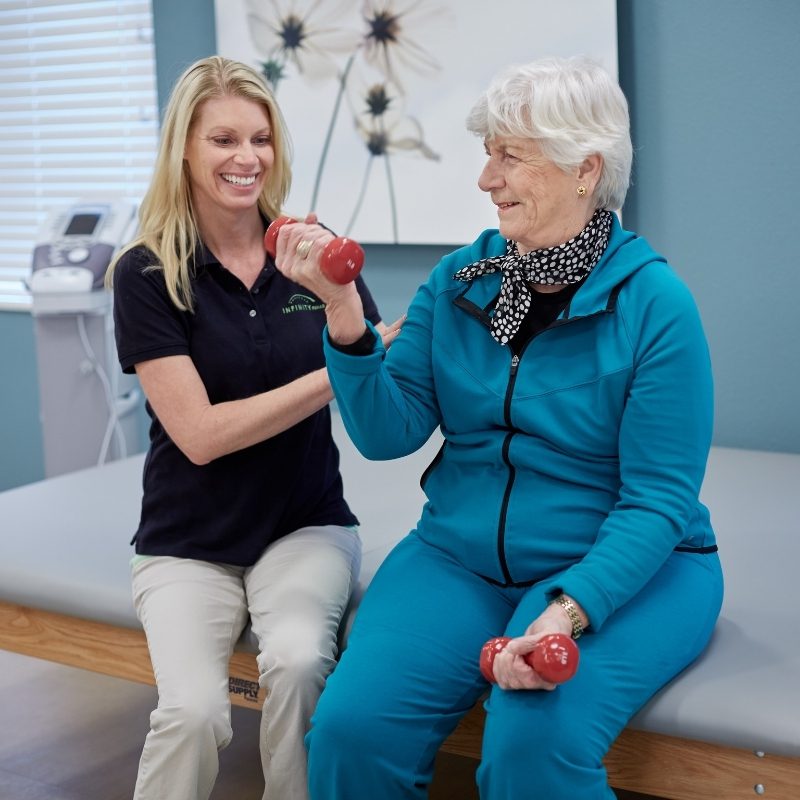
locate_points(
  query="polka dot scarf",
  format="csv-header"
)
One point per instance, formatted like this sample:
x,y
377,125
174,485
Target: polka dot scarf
x,y
567,263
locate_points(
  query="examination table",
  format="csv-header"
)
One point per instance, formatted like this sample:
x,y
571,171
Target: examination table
x,y
726,728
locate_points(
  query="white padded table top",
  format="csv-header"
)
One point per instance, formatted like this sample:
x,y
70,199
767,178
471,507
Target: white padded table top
x,y
64,548
743,691
64,542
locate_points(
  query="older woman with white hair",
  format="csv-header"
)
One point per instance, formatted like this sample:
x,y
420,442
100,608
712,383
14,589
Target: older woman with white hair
x,y
566,366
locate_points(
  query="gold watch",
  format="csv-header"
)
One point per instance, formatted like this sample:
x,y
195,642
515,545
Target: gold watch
x,y
572,612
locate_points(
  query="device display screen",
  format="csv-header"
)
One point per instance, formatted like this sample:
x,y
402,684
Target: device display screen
x,y
82,225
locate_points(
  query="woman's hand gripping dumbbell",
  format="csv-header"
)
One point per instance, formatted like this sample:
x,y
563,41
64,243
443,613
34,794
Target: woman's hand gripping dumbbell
x,y
554,657
341,259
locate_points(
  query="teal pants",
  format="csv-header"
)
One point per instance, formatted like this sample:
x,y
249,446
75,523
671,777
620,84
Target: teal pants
x,y
410,672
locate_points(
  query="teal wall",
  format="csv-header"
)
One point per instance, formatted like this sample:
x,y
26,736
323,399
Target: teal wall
x,y
184,30
715,106
714,89
21,454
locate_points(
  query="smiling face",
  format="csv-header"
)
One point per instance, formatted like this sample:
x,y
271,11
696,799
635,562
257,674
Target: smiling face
x,y
229,154
538,204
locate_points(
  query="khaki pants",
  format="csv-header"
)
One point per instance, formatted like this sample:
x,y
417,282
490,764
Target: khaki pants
x,y
193,612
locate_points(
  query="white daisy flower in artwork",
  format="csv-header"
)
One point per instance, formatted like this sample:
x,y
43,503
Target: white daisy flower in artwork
x,y
394,35
304,34
373,95
385,136
386,132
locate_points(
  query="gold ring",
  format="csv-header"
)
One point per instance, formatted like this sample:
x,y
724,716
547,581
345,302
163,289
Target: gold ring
x,y
304,248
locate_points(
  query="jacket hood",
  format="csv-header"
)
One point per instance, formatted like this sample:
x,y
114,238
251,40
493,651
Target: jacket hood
x,y
625,255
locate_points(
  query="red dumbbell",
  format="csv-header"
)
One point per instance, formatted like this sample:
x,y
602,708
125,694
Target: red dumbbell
x,y
555,657
341,259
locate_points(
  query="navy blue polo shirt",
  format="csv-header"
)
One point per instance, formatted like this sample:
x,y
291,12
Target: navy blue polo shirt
x,y
242,342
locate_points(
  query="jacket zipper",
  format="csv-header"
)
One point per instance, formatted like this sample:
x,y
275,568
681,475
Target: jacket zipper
x,y
482,315
512,470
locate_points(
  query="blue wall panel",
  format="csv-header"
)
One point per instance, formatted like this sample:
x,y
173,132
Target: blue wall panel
x,y
715,108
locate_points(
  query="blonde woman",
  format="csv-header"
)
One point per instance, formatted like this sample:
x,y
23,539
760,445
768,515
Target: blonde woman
x,y
243,516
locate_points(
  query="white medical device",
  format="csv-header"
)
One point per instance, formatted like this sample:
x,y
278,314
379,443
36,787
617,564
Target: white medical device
x,y
73,249
86,403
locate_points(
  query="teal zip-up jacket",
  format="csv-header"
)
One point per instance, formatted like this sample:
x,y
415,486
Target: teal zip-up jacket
x,y
578,463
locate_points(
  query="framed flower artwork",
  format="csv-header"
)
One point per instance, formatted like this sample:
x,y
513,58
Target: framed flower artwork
x,y
376,93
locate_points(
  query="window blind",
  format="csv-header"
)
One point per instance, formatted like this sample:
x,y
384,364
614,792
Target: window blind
x,y
78,112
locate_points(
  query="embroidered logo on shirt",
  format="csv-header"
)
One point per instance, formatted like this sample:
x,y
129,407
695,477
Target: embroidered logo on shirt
x,y
302,302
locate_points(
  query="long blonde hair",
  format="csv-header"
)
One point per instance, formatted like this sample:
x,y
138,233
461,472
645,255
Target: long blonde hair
x,y
167,223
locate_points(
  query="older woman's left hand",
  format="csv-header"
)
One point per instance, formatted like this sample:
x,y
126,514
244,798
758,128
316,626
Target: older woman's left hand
x,y
343,304
511,671
297,251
